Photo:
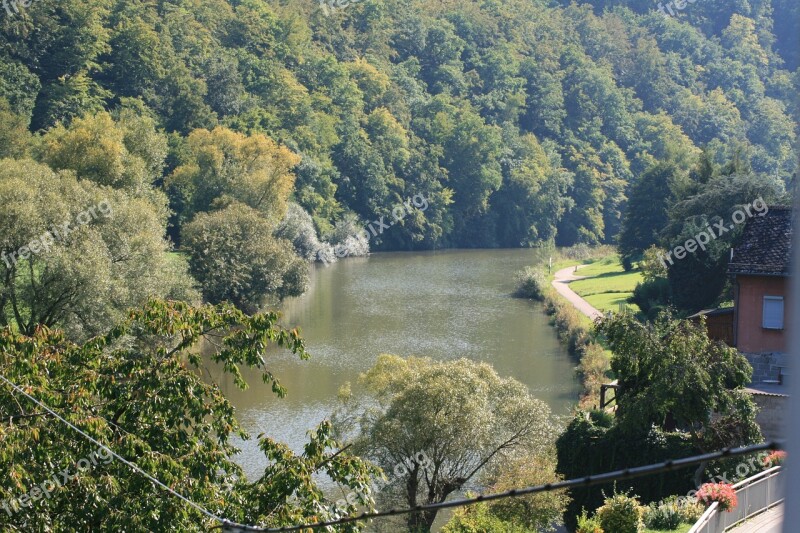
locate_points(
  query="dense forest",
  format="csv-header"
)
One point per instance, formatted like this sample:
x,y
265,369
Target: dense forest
x,y
293,124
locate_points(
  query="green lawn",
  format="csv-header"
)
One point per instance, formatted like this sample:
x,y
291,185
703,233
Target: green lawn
x,y
607,284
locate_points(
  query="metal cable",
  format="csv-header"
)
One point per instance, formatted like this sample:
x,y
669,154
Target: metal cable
x,y
627,473
114,454
587,481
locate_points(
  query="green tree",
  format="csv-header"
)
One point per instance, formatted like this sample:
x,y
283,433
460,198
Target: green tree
x,y
127,153
461,414
673,376
533,513
647,213
139,388
220,166
76,255
234,257
14,136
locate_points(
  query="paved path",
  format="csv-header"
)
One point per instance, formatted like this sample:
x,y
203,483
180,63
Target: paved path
x,y
767,522
561,284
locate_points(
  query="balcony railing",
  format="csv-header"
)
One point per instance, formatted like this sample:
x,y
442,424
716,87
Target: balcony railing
x,y
755,495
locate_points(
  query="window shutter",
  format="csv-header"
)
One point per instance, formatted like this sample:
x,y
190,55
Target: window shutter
x,y
773,312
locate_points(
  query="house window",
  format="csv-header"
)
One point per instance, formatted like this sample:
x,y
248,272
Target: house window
x,y
773,312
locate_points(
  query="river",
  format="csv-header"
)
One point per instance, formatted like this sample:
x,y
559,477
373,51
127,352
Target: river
x,y
444,304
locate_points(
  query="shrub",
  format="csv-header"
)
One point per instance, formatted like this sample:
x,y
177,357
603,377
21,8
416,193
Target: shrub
x,y
588,525
530,283
601,418
776,458
722,493
479,517
594,364
690,509
297,227
664,515
579,252
349,233
651,295
621,514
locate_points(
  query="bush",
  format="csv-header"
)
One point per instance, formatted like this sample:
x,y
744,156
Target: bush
x,y
297,227
722,493
579,252
601,418
477,518
664,515
594,364
621,514
690,509
350,234
588,525
530,283
651,295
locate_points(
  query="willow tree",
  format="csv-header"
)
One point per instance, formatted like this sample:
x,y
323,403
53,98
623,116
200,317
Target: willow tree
x,y
76,255
463,416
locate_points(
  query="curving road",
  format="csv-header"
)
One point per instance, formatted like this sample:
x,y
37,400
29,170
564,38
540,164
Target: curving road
x,y
561,283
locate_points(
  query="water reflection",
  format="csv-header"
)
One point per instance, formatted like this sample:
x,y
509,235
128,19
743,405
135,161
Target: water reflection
x,y
444,305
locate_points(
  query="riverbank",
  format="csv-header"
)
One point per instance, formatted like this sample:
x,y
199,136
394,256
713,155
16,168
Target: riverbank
x,y
602,284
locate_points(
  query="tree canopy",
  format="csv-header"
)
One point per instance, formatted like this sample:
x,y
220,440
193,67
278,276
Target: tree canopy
x,y
465,418
138,389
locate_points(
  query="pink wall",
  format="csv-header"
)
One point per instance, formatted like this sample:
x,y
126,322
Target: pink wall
x,y
750,336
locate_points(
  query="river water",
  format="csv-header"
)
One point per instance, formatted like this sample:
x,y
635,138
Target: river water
x,y
444,305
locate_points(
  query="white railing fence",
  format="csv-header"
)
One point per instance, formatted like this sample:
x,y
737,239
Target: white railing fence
x,y
754,494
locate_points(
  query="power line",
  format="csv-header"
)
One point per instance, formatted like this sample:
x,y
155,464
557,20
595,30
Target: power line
x,y
587,481
114,454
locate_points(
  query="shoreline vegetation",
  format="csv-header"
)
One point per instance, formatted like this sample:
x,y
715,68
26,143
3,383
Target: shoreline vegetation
x,y
574,329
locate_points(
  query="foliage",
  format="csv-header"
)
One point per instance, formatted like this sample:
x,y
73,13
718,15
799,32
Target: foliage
x,y
652,264
112,256
139,389
679,394
588,525
536,512
297,227
651,296
697,280
530,283
234,257
515,140
594,366
479,518
672,375
589,447
460,413
690,509
663,515
349,234
648,205
722,493
221,166
621,513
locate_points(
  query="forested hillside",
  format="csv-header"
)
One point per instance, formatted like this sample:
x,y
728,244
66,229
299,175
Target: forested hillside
x,y
519,121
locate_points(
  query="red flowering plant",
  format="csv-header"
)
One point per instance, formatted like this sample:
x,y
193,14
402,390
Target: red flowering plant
x,y
722,493
776,458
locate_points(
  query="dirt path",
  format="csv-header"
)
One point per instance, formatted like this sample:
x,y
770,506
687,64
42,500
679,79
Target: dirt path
x,y
561,283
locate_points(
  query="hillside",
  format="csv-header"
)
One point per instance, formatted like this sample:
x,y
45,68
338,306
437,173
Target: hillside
x,y
519,121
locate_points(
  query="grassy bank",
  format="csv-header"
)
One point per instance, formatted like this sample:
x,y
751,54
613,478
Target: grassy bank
x,y
607,286
573,328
